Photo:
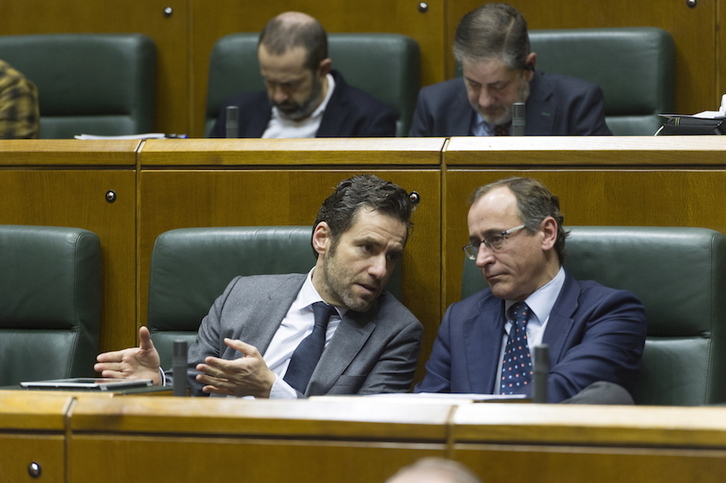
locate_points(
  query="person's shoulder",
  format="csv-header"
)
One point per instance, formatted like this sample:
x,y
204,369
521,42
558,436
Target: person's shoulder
x,y
390,308
566,84
593,290
357,96
265,281
448,87
246,99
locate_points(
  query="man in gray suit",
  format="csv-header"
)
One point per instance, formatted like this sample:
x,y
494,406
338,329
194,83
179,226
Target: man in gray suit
x,y
246,343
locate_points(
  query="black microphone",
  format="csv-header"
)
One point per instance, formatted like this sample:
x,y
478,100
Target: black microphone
x,y
541,369
232,122
518,119
179,367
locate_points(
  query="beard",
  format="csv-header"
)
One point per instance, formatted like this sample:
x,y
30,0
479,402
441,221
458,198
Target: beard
x,y
341,283
506,116
297,111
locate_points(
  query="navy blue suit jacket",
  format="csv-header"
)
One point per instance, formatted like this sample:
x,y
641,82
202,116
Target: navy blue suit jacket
x,y
594,334
350,113
557,105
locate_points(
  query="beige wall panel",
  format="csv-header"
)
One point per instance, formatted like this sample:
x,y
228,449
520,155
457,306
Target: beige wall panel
x,y
170,32
178,199
390,16
693,30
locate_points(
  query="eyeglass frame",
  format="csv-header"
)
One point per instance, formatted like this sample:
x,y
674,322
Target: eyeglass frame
x,y
471,249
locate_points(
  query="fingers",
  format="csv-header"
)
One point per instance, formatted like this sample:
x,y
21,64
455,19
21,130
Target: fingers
x,y
145,342
243,347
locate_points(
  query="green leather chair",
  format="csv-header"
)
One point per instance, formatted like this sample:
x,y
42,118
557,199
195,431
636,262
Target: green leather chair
x,y
384,65
190,268
680,275
50,302
102,84
634,67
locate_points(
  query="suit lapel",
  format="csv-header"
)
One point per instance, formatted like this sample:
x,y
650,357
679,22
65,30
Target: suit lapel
x,y
349,339
561,321
540,110
483,334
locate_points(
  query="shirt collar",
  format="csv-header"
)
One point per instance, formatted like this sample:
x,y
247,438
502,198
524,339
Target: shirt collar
x,y
308,296
543,299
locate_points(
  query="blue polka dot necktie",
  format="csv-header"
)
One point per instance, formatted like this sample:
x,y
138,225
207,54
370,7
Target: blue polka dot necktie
x,y
308,352
517,362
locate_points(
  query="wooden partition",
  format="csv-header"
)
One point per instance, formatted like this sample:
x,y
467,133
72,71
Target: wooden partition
x,y
178,439
65,183
218,182
634,181
572,444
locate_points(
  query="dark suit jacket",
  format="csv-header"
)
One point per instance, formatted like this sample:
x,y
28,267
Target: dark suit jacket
x,y
372,352
350,113
557,105
594,334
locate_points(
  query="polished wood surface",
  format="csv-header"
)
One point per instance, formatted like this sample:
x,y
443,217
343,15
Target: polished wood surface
x,y
76,437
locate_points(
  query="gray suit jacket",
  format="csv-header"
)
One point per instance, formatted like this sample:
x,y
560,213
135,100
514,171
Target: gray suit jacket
x,y
371,352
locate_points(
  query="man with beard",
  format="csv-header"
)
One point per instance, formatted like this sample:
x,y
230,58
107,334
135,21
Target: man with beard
x,y
305,98
492,47
248,343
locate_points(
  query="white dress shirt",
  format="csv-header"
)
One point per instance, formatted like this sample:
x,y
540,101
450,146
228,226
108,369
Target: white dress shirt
x,y
281,127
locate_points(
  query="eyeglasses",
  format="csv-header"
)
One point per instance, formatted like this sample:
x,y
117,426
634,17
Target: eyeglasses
x,y
494,243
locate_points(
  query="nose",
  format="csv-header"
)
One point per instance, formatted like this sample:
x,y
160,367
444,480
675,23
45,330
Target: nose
x,y
379,267
278,94
484,256
486,99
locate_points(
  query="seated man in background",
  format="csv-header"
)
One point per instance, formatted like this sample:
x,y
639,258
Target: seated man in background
x,y
595,334
19,114
254,340
304,97
492,47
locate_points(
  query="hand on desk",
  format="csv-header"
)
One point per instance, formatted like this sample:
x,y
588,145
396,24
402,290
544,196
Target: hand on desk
x,y
135,363
245,376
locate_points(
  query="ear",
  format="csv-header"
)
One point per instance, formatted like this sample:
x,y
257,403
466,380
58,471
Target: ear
x,y
325,66
321,238
549,231
531,62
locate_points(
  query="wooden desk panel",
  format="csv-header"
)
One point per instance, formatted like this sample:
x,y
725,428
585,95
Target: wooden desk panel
x,y
182,439
564,443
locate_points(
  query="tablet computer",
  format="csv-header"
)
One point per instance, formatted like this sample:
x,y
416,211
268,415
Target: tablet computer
x,y
87,383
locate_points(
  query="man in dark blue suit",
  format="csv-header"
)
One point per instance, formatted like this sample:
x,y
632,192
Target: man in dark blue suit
x,y
595,334
305,98
492,47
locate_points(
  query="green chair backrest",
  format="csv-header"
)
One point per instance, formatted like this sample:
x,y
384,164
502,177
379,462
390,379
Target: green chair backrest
x,y
102,84
50,302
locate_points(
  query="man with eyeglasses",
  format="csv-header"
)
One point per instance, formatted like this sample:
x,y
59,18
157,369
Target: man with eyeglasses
x,y
595,334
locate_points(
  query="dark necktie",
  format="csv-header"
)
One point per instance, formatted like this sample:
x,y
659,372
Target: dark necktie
x,y
517,362
307,354
502,129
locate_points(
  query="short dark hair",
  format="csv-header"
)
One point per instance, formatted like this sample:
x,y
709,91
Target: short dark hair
x,y
282,34
340,209
493,31
534,202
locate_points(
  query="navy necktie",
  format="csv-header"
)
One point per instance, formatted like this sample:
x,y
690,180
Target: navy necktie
x,y
517,362
307,354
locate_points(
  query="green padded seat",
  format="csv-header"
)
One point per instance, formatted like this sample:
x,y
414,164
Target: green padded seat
x,y
50,302
190,268
634,66
102,84
386,66
679,273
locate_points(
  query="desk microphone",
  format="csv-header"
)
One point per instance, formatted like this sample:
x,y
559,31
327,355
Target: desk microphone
x,y
232,122
518,119
541,369
179,367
